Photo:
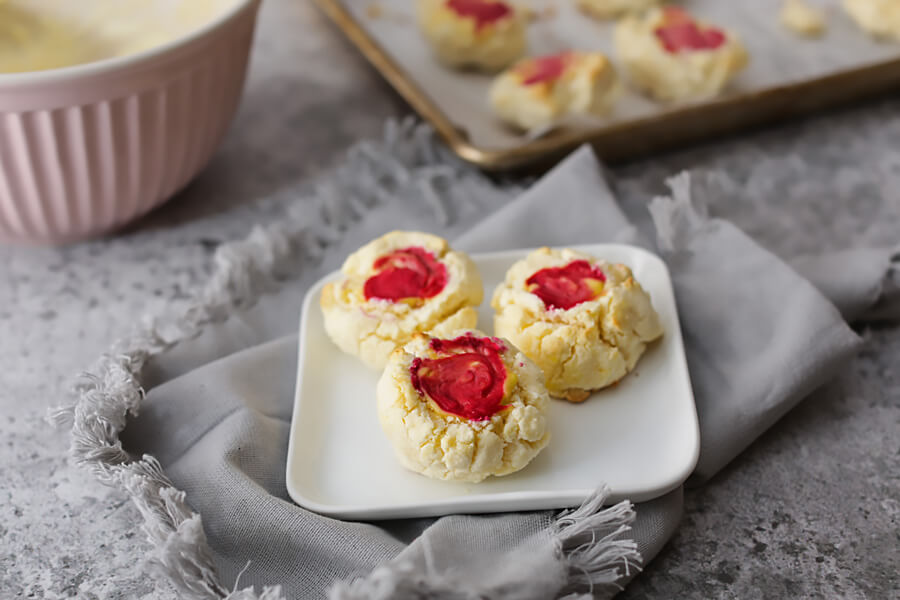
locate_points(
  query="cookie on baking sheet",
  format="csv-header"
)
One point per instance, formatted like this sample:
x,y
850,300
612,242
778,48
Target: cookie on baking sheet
x,y
802,18
537,92
395,286
673,57
584,321
611,9
486,35
879,18
463,408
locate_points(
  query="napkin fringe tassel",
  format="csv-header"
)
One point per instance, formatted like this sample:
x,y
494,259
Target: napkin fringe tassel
x,y
593,543
678,218
886,306
589,542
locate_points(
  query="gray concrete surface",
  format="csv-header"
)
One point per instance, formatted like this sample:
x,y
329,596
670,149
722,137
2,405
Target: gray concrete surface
x,y
810,511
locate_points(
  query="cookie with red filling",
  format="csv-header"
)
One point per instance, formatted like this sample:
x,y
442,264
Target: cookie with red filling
x,y
540,91
674,57
485,35
584,321
463,408
396,286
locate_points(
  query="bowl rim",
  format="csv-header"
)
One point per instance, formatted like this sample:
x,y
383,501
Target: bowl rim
x,y
123,62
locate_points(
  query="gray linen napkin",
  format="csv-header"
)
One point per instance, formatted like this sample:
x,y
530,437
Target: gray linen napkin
x,y
758,336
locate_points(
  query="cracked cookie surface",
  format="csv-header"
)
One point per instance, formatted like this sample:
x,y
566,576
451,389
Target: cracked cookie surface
x,y
584,321
463,408
395,286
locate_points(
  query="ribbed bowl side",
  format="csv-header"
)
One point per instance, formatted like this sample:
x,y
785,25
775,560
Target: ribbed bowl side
x,y
72,172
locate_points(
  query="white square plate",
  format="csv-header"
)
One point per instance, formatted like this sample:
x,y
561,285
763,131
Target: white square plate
x,y
639,437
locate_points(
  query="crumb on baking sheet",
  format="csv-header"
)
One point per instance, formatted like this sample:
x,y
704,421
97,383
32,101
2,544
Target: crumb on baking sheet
x,y
803,18
374,10
377,10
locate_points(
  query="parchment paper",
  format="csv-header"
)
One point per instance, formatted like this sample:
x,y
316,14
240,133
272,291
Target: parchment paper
x,y
777,56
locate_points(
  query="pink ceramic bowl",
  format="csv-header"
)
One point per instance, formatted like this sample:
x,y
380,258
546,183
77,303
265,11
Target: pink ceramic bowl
x,y
86,149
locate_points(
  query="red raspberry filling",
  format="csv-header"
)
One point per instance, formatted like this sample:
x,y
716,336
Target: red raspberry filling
x,y
408,273
568,286
544,68
482,11
680,32
469,382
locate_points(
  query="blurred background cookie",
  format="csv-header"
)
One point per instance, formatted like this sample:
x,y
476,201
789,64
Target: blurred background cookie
x,y
879,18
486,35
673,57
537,92
585,322
398,285
463,409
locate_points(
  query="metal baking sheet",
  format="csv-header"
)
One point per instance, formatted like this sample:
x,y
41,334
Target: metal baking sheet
x,y
787,75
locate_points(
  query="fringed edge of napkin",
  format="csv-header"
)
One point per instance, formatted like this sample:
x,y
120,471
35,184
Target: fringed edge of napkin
x,y
408,157
591,540
683,214
588,542
886,303
678,217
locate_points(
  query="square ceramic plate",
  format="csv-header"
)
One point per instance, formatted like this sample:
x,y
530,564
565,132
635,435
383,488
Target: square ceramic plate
x,y
639,437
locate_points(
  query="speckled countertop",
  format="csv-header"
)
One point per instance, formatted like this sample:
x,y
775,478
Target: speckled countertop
x,y
811,510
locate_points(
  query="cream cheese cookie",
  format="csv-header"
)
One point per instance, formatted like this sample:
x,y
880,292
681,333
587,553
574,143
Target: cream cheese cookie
x,y
537,92
673,57
611,9
486,35
879,18
398,285
585,322
802,18
463,408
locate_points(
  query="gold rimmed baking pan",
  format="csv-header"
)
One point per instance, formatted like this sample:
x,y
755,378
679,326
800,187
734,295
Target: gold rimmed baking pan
x,y
789,77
